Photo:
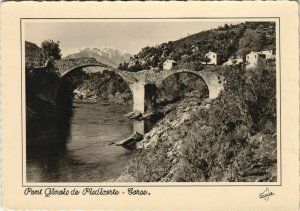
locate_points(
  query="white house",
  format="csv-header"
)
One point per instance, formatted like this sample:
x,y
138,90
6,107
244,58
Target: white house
x,y
252,57
268,53
214,58
234,61
168,64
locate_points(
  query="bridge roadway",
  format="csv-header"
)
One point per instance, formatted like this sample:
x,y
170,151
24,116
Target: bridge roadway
x,y
138,81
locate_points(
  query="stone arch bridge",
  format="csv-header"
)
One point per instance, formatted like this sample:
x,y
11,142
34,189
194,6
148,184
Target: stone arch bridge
x,y
138,81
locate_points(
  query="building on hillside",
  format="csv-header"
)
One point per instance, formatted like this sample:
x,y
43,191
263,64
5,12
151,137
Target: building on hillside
x,y
252,57
214,58
169,64
269,54
234,61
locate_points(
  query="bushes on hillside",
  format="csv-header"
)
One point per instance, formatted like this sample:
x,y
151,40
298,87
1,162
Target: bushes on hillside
x,y
256,88
232,138
230,40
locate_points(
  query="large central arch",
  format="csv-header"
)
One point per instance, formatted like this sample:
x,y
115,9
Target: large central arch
x,y
66,66
64,88
104,68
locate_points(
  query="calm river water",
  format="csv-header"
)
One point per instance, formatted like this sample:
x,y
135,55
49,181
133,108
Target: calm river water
x,y
80,150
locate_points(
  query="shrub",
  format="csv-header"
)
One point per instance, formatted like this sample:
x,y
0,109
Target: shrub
x,y
233,139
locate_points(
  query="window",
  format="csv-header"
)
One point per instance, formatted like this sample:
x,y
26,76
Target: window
x,y
214,56
254,56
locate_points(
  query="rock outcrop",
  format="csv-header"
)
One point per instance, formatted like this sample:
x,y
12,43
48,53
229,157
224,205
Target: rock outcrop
x,y
185,147
133,139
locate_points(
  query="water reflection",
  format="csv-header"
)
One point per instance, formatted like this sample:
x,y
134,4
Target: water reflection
x,y
79,149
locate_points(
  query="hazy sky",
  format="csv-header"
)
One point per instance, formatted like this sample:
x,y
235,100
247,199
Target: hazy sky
x,y
126,36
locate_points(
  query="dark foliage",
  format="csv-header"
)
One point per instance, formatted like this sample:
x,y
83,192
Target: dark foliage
x,y
33,56
51,48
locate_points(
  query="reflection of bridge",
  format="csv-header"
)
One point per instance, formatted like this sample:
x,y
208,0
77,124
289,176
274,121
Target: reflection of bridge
x,y
138,81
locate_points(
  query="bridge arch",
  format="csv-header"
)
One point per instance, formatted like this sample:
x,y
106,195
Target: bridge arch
x,y
62,89
167,90
213,80
66,66
105,68
167,74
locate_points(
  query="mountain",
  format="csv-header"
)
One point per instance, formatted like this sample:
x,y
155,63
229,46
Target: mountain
x,y
109,56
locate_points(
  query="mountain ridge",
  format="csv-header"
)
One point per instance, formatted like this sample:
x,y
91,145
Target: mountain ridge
x,y
106,55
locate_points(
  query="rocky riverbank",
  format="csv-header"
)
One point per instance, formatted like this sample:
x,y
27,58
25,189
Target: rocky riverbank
x,y
184,147
229,139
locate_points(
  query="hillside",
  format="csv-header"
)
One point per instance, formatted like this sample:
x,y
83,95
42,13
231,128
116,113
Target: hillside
x,y
109,56
231,138
33,55
229,40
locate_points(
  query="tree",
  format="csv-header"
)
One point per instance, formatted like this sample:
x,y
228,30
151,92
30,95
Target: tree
x,y
154,61
136,67
51,49
230,50
252,41
161,64
205,59
123,66
120,67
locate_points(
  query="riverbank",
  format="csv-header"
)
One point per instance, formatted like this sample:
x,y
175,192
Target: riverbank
x,y
184,147
232,138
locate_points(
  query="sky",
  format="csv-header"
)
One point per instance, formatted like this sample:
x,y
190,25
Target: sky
x,y
126,36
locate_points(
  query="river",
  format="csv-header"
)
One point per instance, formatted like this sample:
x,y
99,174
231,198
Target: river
x,y
80,150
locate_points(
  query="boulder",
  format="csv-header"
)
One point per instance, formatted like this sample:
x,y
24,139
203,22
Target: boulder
x,y
135,137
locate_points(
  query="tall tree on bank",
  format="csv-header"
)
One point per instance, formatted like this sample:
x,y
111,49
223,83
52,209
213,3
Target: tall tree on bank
x,y
51,48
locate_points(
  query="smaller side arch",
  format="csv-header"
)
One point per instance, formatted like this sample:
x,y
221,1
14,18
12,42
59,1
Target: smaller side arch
x,y
212,80
177,73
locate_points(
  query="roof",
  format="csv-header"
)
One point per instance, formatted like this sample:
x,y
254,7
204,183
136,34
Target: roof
x,y
258,52
254,52
170,60
218,53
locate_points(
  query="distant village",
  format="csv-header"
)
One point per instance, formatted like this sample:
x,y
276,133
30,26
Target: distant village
x,y
214,58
